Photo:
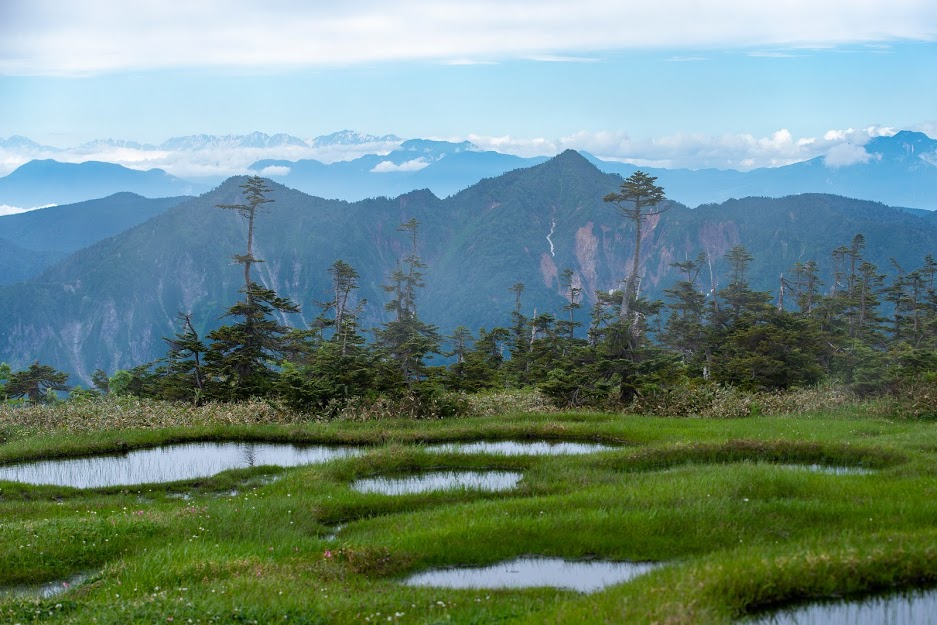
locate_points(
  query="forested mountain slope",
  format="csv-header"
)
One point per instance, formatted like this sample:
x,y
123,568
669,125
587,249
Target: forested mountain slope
x,y
110,304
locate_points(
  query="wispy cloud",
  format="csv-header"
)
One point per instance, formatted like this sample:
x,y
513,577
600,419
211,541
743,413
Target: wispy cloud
x,y
467,62
50,37
775,55
559,58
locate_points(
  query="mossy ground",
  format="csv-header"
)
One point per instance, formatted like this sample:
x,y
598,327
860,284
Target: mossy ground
x,y
714,498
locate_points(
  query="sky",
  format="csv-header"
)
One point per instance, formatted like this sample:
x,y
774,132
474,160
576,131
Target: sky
x,y
682,83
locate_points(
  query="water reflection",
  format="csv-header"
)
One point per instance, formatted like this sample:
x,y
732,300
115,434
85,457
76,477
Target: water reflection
x,y
520,448
917,608
169,463
823,468
532,572
42,591
439,480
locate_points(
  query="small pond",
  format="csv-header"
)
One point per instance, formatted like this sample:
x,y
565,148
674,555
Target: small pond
x,y
911,608
439,480
42,591
532,572
168,463
823,468
520,448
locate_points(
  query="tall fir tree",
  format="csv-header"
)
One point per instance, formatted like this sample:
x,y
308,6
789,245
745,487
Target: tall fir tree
x,y
240,362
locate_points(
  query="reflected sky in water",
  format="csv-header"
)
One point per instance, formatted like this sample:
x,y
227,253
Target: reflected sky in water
x,y
520,448
168,463
532,572
912,608
439,480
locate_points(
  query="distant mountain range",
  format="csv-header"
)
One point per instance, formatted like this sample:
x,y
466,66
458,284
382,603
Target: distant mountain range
x,y
442,167
109,305
900,170
43,182
257,140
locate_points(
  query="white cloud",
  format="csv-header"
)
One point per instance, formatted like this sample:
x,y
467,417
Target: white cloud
x,y
846,154
929,128
95,36
6,209
207,163
275,170
698,151
840,147
385,167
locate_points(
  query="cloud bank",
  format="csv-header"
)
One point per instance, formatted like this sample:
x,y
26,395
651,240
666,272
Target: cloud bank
x,y
838,147
50,37
385,167
6,209
698,151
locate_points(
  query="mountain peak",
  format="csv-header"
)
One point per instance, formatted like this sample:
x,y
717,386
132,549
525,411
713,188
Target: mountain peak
x,y
351,137
573,161
19,142
902,144
255,139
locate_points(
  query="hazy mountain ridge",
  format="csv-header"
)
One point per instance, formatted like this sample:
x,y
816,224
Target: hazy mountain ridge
x,y
350,137
43,182
254,139
37,239
110,304
442,167
19,142
19,263
900,170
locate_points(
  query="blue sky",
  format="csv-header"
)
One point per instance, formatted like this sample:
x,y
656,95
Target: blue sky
x,y
726,83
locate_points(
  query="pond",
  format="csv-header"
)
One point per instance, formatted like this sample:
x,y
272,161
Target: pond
x,y
915,607
169,463
439,480
832,470
520,448
42,591
531,572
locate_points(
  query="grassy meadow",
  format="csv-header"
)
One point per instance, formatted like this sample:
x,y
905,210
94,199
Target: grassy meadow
x,y
725,504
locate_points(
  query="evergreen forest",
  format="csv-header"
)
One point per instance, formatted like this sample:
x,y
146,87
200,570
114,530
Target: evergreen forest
x,y
866,331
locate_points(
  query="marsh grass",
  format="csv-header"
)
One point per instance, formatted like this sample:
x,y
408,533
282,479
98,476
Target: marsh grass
x,y
711,499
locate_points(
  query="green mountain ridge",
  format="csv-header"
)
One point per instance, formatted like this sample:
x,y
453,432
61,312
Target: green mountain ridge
x,y
109,305
38,238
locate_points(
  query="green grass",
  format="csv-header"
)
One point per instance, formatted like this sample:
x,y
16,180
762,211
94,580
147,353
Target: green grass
x,y
713,498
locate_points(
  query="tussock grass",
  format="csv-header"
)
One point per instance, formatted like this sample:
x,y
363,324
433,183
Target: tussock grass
x,y
121,413
711,498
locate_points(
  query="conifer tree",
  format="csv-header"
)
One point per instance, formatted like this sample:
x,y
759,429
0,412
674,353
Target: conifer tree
x,y
685,331
240,358
406,339
183,377
5,372
637,200
37,384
